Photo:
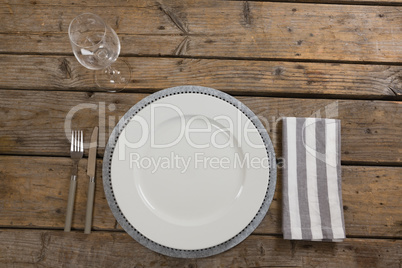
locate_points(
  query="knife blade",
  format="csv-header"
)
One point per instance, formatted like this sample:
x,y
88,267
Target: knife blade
x,y
92,153
91,173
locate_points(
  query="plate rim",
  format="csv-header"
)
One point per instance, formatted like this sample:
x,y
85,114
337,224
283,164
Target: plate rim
x,y
181,253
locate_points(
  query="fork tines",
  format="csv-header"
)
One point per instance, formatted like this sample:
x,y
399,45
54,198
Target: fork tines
x,y
77,143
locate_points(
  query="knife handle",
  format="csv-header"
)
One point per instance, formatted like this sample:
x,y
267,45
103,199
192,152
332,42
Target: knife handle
x,y
90,205
70,203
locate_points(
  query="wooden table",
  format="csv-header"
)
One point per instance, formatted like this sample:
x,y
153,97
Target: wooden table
x,y
336,59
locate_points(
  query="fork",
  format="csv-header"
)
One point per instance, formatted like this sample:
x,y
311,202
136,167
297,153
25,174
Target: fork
x,y
76,152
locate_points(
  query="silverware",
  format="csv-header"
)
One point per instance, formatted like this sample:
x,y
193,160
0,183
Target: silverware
x,y
76,152
91,173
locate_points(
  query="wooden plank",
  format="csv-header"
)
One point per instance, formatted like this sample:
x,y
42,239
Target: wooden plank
x,y
38,122
232,76
34,191
130,4
103,249
219,29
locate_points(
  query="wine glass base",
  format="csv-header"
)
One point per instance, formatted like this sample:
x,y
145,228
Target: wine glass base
x,y
114,78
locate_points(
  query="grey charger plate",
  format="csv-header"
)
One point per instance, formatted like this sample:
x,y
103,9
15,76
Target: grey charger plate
x,y
173,252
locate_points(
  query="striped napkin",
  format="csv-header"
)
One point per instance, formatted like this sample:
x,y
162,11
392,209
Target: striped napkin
x,y
312,197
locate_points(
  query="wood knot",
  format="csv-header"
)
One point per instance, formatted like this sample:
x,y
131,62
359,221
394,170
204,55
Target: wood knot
x,y
279,71
65,68
178,21
247,19
117,22
183,47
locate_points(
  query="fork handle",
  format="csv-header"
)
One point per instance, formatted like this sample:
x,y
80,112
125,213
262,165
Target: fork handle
x,y
90,205
70,203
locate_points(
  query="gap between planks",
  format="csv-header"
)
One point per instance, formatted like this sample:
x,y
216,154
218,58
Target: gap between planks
x,y
130,55
236,94
106,230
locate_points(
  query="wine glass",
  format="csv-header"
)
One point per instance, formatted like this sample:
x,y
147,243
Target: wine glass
x,y
97,47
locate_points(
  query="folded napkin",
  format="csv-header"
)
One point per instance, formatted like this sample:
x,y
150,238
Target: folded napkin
x,y
312,196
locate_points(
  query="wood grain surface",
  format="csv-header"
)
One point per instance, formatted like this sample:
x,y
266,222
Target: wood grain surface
x,y
238,77
47,248
33,193
210,28
307,58
132,4
39,123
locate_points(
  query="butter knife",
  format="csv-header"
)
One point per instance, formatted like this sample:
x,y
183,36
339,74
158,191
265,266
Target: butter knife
x,y
91,173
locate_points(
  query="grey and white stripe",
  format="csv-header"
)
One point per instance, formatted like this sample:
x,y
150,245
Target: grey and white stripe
x,y
312,197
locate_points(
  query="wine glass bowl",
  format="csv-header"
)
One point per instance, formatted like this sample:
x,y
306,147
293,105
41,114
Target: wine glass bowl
x,y
97,47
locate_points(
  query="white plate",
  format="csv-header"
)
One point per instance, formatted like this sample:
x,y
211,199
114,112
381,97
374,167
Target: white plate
x,y
188,171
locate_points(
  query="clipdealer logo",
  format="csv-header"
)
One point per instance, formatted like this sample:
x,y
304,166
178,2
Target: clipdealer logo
x,y
108,116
